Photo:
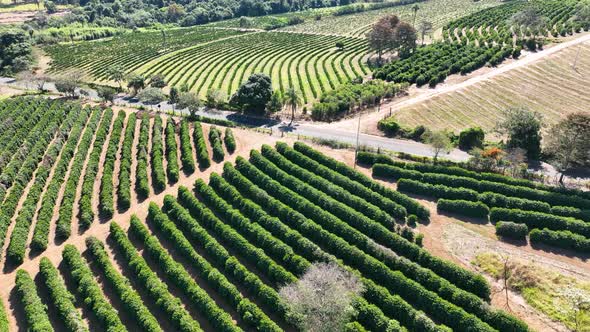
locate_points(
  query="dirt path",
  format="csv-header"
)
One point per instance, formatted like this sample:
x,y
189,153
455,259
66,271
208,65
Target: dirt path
x,y
419,95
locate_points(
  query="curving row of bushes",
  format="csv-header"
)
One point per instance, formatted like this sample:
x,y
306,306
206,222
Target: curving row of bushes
x,y
541,220
385,204
61,298
437,191
124,187
186,150
154,287
216,143
373,318
394,305
229,140
216,252
90,290
45,213
201,146
85,213
253,232
248,311
411,205
511,230
126,294
142,184
157,156
171,152
34,309
553,198
498,200
106,202
410,290
321,184
228,236
357,222
467,208
219,319
561,239
15,252
568,211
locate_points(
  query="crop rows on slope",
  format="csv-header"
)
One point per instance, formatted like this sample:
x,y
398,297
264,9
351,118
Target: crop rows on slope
x,y
492,25
106,205
310,63
255,228
563,216
128,51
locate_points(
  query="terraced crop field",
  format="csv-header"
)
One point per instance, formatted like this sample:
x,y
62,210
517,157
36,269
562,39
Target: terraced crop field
x,y
550,86
310,63
439,12
128,51
203,255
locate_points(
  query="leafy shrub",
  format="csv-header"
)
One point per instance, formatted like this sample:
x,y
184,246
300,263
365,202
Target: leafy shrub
x,y
106,205
540,220
201,146
229,140
511,230
216,143
186,150
124,189
171,152
471,138
467,208
35,310
437,191
142,186
562,239
157,156
389,126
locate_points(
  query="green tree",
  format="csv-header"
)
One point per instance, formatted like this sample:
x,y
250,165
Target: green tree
x,y
68,83
214,98
424,27
404,39
253,95
568,142
117,74
151,96
190,101
107,94
523,129
158,81
173,98
136,82
415,9
439,141
471,138
15,52
292,98
275,104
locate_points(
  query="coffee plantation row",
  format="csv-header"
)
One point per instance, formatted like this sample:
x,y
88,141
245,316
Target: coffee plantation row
x,y
555,216
214,257
59,148
493,26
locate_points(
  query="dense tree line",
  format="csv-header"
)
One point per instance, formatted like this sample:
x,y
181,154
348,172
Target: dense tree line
x,y
157,156
142,185
106,205
186,150
34,309
124,187
171,152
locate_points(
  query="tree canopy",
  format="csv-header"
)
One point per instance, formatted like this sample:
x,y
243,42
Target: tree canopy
x,y
253,95
523,130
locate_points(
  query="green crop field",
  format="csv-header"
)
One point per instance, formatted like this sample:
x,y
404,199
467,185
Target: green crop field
x,y
550,86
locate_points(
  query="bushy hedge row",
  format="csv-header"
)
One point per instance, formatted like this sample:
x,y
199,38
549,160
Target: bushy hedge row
x,y
499,200
90,290
394,305
467,208
154,287
186,150
201,146
371,158
85,213
216,143
385,204
481,186
435,190
253,232
35,310
63,228
171,152
124,188
142,184
3,318
106,205
410,290
228,236
157,156
125,293
61,298
229,140
562,239
352,223
511,230
541,220
411,205
250,312
28,161
45,213
20,233
216,252
320,184
568,211
373,318
177,274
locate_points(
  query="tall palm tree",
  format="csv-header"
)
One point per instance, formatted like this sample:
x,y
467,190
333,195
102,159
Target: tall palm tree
x,y
292,98
415,8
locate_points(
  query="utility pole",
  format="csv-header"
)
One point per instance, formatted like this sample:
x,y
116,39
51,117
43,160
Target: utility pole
x,y
358,134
